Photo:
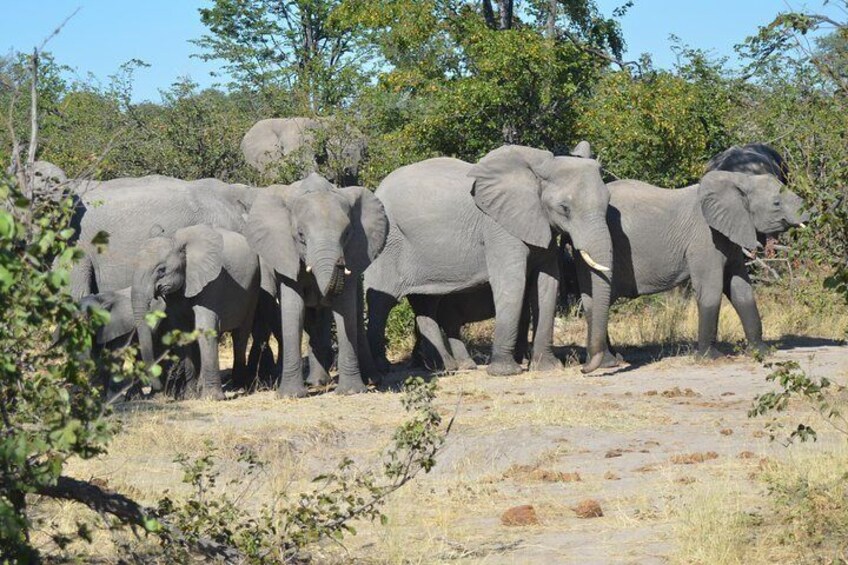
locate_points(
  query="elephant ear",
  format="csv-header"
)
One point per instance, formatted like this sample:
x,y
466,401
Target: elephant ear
x,y
269,231
582,150
725,207
506,188
204,256
369,227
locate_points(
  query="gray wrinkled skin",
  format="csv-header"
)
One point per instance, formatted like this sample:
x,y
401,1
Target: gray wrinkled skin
x,y
209,280
130,210
455,227
663,237
318,239
271,140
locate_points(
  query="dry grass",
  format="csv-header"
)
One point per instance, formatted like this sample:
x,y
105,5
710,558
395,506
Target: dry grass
x,y
532,439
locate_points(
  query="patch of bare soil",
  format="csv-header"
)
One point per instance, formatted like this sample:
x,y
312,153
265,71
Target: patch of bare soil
x,y
642,441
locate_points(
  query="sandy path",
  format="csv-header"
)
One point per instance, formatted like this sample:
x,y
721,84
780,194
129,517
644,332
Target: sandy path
x,y
517,440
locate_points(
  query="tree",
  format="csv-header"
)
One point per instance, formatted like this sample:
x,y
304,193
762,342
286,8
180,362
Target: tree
x,y
297,53
663,126
800,101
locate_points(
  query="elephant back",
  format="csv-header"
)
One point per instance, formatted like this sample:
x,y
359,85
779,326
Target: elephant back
x,y
129,210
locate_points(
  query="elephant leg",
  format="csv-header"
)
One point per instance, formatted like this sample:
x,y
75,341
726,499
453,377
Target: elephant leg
x,y
708,290
507,266
241,378
260,360
464,361
529,313
426,308
380,306
210,374
367,366
320,346
344,311
292,314
737,287
547,291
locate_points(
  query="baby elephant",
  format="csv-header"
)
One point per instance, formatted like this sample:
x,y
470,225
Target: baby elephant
x,y
662,238
209,280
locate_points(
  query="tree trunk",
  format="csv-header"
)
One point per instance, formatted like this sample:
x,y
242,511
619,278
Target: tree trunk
x,y
489,14
552,11
505,13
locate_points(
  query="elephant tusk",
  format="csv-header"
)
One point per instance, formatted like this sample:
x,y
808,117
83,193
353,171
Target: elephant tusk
x,y
591,262
802,225
748,254
309,268
348,271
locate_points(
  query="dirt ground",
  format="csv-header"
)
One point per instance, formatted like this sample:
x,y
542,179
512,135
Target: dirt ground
x,y
647,442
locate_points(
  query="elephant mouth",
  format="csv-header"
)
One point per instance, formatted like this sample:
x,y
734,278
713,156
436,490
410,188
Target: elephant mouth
x,y
337,281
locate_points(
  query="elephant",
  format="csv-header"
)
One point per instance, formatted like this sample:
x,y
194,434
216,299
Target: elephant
x,y
457,226
665,237
119,332
435,314
128,208
209,280
753,158
309,143
319,239
453,311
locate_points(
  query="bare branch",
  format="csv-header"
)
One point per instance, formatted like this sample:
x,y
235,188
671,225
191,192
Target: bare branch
x,y
130,512
58,30
600,53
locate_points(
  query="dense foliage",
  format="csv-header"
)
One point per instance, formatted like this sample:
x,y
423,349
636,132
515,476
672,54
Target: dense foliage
x,y
50,407
419,78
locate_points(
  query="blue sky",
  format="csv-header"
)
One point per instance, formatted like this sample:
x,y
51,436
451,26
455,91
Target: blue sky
x,y
106,33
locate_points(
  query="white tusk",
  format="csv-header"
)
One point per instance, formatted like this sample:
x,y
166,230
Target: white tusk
x,y
591,262
348,271
309,268
802,225
748,254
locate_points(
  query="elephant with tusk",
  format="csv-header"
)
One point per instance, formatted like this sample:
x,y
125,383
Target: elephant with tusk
x,y
457,226
318,239
663,238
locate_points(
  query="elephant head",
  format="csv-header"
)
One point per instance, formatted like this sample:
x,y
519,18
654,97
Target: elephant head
x,y
741,205
169,268
313,228
530,191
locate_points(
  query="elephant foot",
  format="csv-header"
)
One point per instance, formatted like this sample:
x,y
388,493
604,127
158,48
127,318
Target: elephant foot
x,y
708,354
503,367
605,360
318,378
546,362
611,360
352,385
212,394
467,364
759,349
293,388
450,365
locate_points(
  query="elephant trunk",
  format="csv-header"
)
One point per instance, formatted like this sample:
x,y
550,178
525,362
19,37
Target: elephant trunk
x,y
329,269
598,246
142,296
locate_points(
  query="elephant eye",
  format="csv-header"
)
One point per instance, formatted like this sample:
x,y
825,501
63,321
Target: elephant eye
x,y
160,270
566,211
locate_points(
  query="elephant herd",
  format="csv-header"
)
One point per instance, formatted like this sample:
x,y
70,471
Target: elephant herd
x,y
462,241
